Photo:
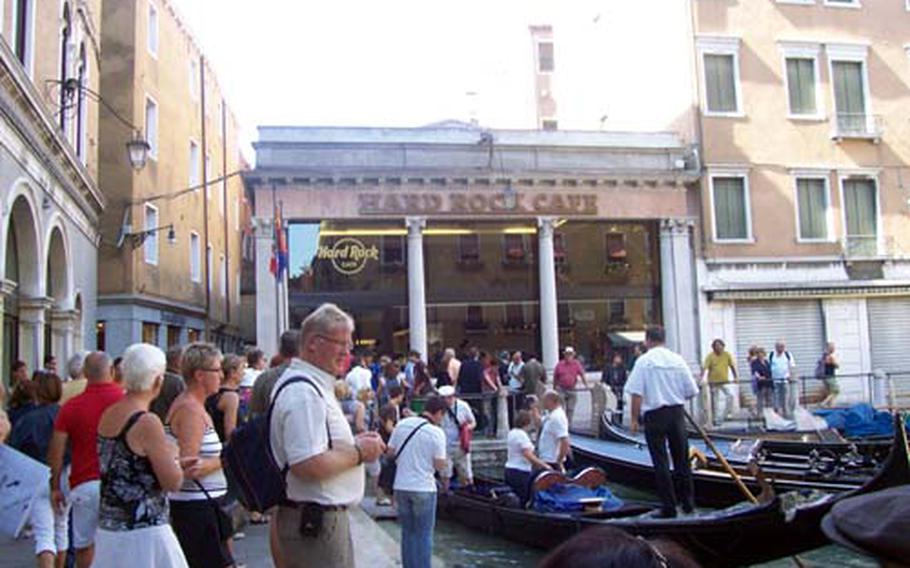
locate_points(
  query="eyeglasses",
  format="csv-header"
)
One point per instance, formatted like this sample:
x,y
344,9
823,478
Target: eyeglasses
x,y
345,344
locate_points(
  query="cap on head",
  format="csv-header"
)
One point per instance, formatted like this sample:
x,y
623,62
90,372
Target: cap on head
x,y
447,390
569,350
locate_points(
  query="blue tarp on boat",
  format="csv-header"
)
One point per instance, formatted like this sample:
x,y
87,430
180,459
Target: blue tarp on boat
x,y
562,498
857,421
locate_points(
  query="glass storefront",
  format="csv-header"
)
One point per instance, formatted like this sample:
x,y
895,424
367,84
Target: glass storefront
x,y
482,282
359,265
608,285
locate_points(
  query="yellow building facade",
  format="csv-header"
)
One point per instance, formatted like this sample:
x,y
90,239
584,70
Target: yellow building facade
x,y
803,124
170,254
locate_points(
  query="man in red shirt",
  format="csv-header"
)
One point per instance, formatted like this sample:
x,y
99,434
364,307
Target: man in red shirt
x,y
77,423
566,375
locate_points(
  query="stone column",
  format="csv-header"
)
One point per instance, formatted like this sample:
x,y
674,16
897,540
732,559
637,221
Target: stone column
x,y
32,319
417,304
549,326
267,312
677,283
63,331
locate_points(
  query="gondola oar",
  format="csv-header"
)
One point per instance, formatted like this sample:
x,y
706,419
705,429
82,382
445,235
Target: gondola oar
x,y
729,469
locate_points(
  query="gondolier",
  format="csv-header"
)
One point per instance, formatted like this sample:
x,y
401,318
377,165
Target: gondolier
x,y
660,384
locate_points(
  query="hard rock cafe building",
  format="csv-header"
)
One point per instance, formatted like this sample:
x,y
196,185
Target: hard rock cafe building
x,y
448,236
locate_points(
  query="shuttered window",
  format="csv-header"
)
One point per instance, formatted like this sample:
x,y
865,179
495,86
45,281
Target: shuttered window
x,y
861,211
801,85
720,83
813,204
730,208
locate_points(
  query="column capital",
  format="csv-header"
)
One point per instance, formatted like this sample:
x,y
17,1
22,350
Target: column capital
x,y
7,288
676,225
415,224
546,226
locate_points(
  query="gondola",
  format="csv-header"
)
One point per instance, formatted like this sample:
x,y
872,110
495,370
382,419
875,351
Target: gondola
x,y
738,535
630,464
853,461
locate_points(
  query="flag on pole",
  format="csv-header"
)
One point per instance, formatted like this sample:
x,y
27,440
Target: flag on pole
x,y
279,261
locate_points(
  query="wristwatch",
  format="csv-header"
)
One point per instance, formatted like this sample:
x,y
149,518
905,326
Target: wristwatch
x,y
359,453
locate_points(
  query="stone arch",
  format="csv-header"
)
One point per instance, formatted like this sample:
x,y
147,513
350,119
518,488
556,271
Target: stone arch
x,y
58,264
21,245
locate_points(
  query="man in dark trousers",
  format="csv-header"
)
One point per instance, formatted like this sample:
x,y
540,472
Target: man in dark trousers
x,y
660,384
470,381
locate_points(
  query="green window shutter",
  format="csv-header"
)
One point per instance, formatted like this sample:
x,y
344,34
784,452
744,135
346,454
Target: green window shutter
x,y
720,83
801,82
849,96
730,208
860,209
812,209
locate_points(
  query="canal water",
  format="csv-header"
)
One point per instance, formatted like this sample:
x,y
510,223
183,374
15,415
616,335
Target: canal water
x,y
459,547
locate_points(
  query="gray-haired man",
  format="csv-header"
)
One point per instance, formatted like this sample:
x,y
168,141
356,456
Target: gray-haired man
x,y
310,434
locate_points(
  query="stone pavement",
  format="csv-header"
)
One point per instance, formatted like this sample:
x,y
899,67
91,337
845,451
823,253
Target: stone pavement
x,y
374,547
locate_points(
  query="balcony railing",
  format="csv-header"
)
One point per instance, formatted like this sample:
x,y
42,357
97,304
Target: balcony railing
x,y
856,125
860,246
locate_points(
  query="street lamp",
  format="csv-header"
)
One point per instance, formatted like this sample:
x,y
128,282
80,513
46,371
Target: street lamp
x,y
137,148
136,239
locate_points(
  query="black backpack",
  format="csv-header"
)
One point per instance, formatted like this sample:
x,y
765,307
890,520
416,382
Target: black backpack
x,y
251,470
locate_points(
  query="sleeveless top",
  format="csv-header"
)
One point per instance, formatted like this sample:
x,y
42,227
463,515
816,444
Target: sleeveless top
x,y
215,483
131,497
211,406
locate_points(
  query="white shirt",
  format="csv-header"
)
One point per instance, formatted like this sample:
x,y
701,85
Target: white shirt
x,y
298,432
415,463
661,378
249,377
359,378
517,442
464,414
514,374
555,427
781,363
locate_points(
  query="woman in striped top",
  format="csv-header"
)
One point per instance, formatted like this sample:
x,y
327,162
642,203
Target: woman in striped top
x,y
195,507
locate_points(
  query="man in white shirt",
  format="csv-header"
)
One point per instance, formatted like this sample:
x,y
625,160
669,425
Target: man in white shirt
x,y
782,365
310,434
458,416
420,445
553,444
359,377
255,364
660,384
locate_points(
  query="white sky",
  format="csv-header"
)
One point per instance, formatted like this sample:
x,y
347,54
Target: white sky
x,y
411,62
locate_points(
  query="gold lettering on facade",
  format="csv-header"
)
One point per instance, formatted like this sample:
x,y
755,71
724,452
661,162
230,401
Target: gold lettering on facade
x,y
477,203
348,255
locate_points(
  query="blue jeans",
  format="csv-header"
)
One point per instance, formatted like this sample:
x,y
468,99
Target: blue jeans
x,y
417,516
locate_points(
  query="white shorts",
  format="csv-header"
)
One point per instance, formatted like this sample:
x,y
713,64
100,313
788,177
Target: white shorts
x,y
49,526
85,499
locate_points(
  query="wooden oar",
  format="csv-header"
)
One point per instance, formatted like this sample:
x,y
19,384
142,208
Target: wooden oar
x,y
723,461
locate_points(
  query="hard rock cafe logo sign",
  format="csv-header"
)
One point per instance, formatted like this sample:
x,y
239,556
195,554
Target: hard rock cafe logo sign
x,y
348,255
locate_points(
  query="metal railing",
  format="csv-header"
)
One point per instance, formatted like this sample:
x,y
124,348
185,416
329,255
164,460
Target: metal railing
x,y
856,125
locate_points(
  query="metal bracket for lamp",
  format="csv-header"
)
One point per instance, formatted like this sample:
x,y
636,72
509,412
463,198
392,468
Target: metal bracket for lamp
x,y
137,148
136,239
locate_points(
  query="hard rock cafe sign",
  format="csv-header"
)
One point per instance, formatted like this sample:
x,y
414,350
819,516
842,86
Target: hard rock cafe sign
x,y
348,255
476,203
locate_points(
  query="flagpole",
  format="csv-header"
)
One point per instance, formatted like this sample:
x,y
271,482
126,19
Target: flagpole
x,y
275,228
286,323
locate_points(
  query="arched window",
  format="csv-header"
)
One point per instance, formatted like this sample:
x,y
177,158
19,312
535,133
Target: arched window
x,y
65,34
81,106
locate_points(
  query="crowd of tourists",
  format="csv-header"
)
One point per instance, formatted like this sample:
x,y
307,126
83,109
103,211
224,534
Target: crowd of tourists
x,y
133,445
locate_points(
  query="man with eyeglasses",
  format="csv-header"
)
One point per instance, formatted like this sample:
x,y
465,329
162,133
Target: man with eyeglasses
x,y
310,435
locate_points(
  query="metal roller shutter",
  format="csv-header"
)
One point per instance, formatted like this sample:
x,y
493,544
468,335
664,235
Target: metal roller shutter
x,y
888,319
800,324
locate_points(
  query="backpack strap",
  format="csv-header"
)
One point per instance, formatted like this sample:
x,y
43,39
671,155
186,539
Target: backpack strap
x,y
408,439
290,381
453,414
